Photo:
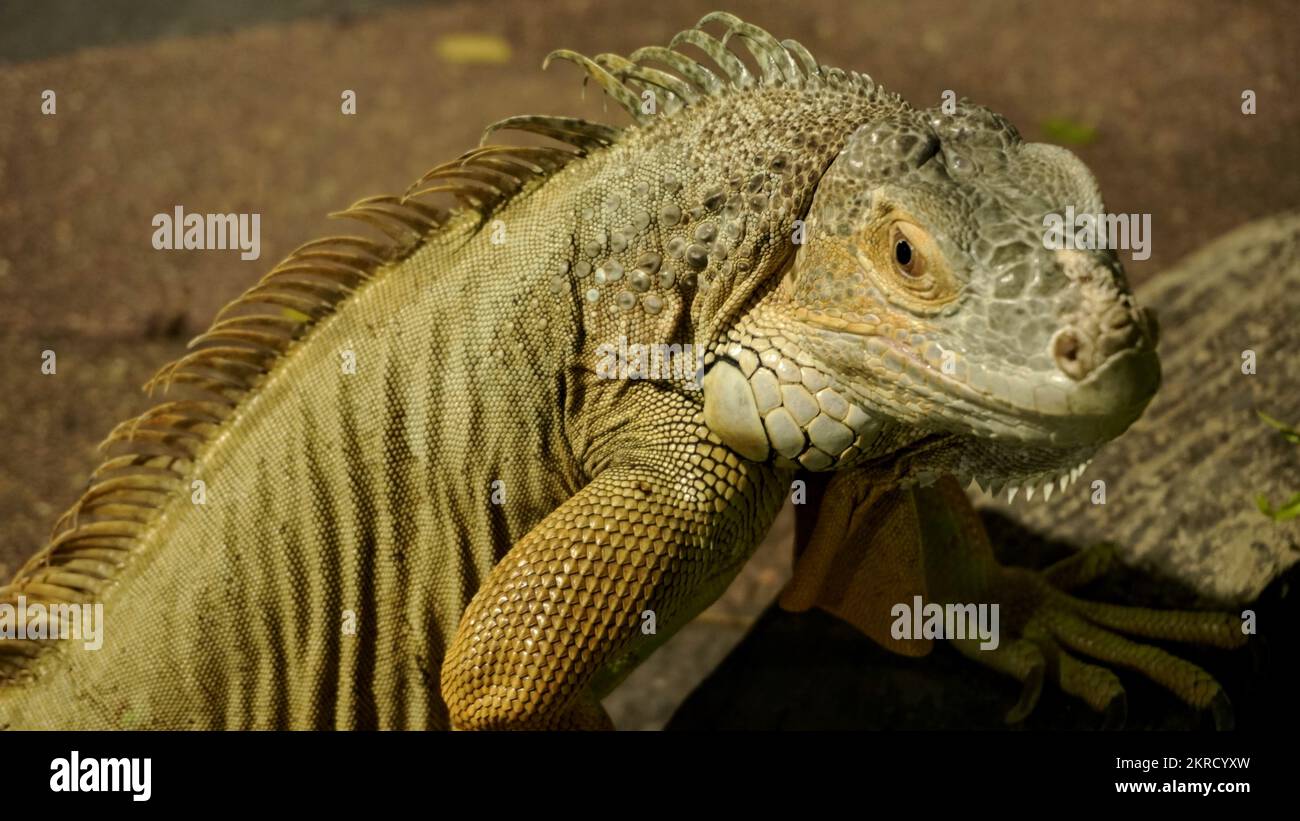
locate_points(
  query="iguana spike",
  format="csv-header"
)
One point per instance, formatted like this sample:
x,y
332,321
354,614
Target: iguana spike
x,y
703,79
171,435
58,573
170,446
213,377
222,366
87,572
622,67
583,134
538,159
161,378
98,565
232,371
48,592
164,379
107,558
121,507
14,652
728,62
123,530
863,81
218,368
333,268
339,283
260,340
311,306
416,216
674,90
134,463
202,411
810,67
608,82
205,386
422,212
469,196
372,249
502,170
775,61
77,573
323,264
278,323
498,182
395,229
165,420
520,170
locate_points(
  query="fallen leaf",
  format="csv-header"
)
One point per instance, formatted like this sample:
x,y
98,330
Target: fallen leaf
x,y
1070,132
473,49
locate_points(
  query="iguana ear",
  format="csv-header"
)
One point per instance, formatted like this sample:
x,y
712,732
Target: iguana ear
x,y
858,554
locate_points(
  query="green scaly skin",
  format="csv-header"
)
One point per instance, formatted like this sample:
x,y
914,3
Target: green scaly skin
x,y
492,513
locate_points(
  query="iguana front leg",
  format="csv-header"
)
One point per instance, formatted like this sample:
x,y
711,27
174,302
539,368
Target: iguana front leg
x,y
931,542
663,532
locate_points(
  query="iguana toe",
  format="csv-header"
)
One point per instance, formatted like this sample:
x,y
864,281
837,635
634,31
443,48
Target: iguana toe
x,y
1062,626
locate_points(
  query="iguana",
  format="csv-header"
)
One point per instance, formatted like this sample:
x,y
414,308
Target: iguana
x,y
450,439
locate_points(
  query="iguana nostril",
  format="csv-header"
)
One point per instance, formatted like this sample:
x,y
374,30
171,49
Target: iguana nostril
x,y
1067,346
1071,354
1118,317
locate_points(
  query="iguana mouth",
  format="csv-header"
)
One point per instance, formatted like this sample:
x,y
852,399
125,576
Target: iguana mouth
x,y
1090,411
924,460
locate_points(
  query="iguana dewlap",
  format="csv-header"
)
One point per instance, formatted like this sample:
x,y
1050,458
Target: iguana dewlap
x,y
423,437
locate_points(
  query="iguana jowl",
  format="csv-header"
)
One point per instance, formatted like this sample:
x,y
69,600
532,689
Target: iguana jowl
x,y
415,433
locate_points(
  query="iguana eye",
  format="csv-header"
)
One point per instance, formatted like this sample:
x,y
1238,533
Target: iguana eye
x,y
908,260
909,265
905,258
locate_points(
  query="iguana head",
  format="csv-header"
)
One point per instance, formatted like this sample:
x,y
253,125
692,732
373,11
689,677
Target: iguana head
x,y
926,294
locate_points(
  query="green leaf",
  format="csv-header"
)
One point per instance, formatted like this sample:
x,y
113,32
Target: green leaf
x,y
1288,433
1290,510
1069,132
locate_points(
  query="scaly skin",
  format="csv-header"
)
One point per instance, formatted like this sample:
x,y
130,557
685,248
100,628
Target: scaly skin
x,y
496,515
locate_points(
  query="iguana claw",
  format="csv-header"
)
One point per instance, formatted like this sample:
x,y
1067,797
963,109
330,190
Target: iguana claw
x,y
1059,626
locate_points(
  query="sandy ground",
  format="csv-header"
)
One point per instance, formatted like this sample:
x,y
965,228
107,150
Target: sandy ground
x,y
244,117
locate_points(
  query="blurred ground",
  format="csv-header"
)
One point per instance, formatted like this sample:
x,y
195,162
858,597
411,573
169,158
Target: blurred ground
x,y
239,112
